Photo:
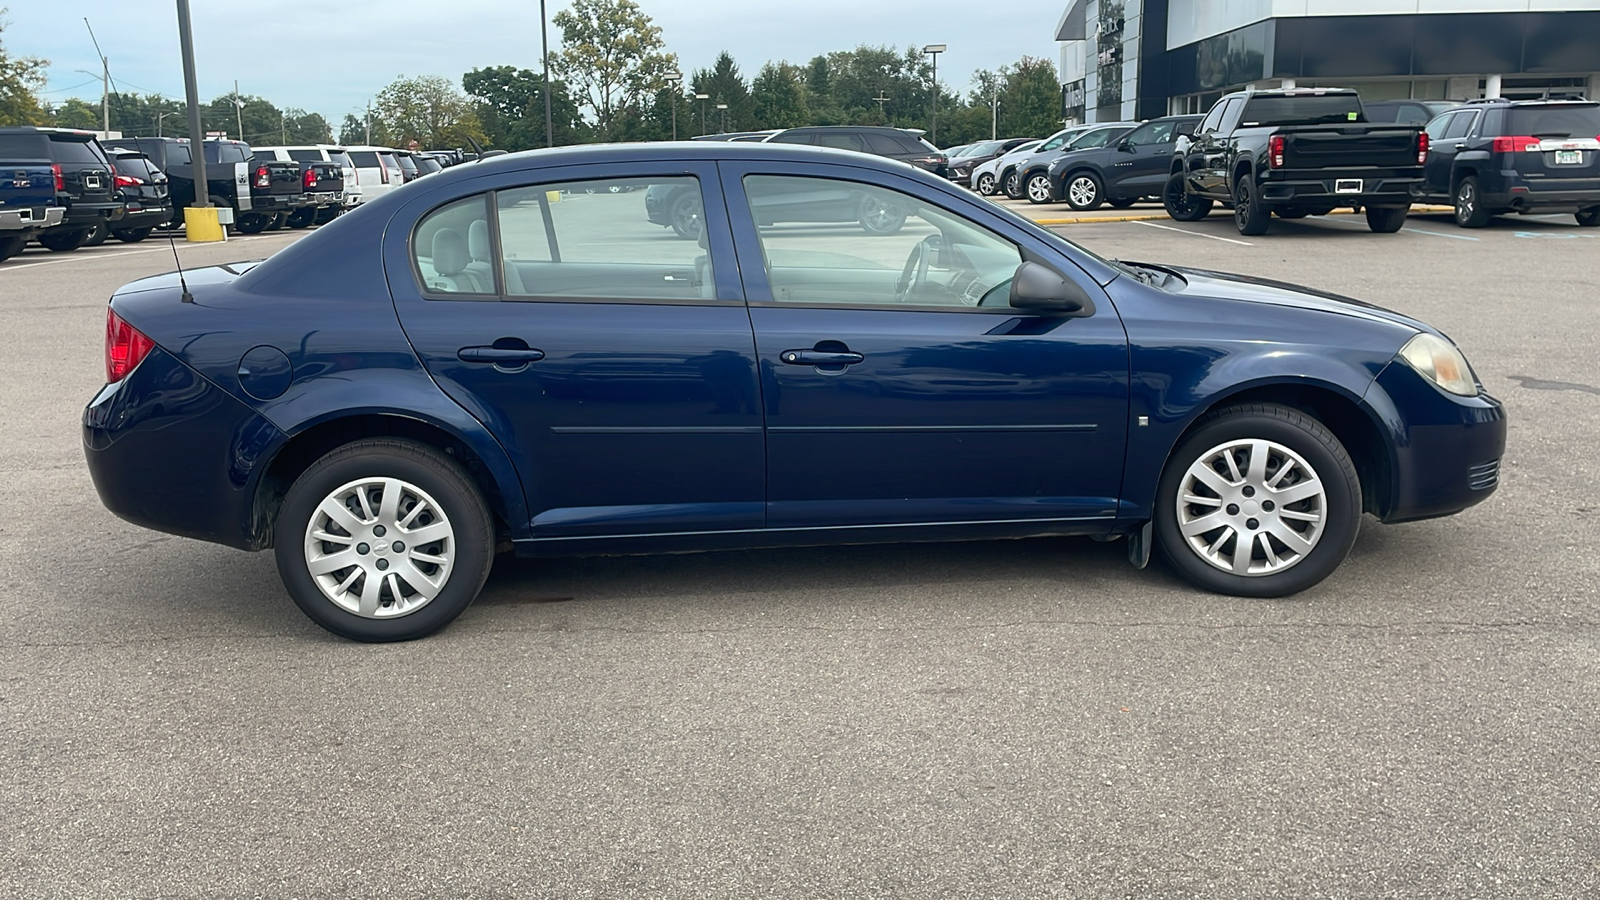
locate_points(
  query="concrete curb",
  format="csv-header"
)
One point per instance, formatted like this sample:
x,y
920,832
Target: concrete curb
x,y
1158,217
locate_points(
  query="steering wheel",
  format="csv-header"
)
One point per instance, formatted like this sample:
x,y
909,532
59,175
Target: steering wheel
x,y
915,271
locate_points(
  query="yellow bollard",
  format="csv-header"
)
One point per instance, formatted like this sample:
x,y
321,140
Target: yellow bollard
x,y
202,224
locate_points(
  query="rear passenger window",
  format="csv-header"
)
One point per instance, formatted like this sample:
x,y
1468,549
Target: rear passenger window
x,y
629,238
365,159
452,250
884,144
306,155
840,141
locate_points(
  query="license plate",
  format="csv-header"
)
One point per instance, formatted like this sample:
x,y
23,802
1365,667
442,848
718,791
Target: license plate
x,y
1569,157
1347,186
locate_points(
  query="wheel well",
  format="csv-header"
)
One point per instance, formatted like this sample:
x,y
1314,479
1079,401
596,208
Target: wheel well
x,y
1354,429
312,444
1081,170
1241,171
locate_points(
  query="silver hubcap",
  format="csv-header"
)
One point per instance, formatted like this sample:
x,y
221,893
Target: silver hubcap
x,y
380,548
1081,191
1464,202
878,214
1251,507
1039,189
985,184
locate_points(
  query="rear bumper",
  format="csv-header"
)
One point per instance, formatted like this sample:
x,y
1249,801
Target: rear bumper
x,y
83,215
171,451
1331,189
1447,448
31,218
1527,196
144,217
275,203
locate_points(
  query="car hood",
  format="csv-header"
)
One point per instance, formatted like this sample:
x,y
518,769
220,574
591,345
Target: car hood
x,y
1223,286
193,277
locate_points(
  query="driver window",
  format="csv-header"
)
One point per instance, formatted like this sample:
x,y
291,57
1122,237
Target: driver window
x,y
1212,120
1436,127
828,242
1154,133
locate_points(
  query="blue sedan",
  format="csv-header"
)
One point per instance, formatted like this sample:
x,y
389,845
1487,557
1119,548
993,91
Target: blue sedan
x,y
509,361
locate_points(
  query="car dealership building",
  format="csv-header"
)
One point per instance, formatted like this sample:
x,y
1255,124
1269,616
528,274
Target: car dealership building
x,y
1135,59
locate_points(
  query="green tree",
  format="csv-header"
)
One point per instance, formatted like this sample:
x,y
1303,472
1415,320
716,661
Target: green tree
x,y
723,83
75,113
778,97
1030,105
613,58
510,105
21,79
429,110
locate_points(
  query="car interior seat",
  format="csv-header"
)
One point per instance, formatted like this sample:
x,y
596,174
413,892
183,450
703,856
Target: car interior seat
x,y
482,266
450,261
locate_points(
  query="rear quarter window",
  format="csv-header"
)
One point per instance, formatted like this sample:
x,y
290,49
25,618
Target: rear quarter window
x,y
306,155
365,159
24,146
68,150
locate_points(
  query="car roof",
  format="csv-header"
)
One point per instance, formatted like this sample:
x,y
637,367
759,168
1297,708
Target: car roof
x,y
881,129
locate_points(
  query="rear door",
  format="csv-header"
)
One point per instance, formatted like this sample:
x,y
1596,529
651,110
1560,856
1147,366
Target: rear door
x,y
898,386
1447,137
1140,161
612,359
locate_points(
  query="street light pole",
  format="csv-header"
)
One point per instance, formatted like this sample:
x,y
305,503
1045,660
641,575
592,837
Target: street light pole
x,y
934,50
724,108
238,109
702,98
994,116
673,79
881,99
191,90
544,43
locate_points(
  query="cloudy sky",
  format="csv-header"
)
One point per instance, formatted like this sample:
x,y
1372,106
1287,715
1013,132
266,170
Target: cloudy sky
x,y
332,57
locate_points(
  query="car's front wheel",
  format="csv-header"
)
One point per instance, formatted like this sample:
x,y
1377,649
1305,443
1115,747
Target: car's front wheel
x,y
1083,191
1590,217
1470,211
1181,205
684,215
986,184
384,540
1259,501
1039,188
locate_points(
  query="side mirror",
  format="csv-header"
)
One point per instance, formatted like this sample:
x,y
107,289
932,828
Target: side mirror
x,y
1124,146
1038,289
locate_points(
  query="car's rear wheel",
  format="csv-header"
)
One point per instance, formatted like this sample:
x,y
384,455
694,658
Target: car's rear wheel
x,y
1083,191
254,223
986,184
685,217
1590,217
1249,215
1013,185
11,246
1470,211
880,216
384,540
1259,501
302,218
1387,219
132,235
1039,188
97,235
64,241
1181,205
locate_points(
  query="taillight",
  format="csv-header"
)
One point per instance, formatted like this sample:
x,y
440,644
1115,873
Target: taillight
x,y
309,179
128,181
1422,147
125,347
383,172
1518,144
263,177
61,183
1275,151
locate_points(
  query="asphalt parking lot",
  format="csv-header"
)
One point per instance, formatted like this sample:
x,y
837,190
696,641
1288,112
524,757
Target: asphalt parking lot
x,y
1005,720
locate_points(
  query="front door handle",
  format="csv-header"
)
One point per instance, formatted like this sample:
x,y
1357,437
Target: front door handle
x,y
500,356
820,357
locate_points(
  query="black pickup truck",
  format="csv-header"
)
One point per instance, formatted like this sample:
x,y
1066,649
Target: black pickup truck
x,y
234,180
1296,153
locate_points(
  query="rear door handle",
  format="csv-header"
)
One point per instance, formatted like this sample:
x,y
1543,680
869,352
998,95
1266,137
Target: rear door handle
x,y
500,356
820,357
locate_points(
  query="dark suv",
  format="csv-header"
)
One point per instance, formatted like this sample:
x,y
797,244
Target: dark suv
x,y
1499,156
144,188
894,143
1121,171
85,185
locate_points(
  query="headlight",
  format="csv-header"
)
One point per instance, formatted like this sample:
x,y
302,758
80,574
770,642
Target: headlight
x,y
1441,363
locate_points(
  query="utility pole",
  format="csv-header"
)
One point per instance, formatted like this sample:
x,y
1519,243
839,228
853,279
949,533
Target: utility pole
x,y
369,123
702,98
544,41
283,127
238,109
192,90
105,84
994,115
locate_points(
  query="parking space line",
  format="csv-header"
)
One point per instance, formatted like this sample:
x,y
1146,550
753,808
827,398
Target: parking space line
x,y
1459,237
1195,233
16,266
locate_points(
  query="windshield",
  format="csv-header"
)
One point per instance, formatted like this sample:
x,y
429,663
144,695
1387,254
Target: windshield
x,y
987,148
1301,109
1554,121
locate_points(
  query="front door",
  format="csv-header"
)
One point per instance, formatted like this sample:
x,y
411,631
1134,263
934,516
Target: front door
x,y
612,358
1447,137
898,385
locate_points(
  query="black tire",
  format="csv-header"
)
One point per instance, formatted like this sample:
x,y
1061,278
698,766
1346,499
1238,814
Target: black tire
x,y
277,222
1590,217
302,218
1249,216
1340,515
132,235
97,235
986,185
64,241
685,217
1012,185
1038,189
1181,205
880,217
1090,192
11,245
1470,211
472,536
328,214
253,222
1386,219
1122,202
